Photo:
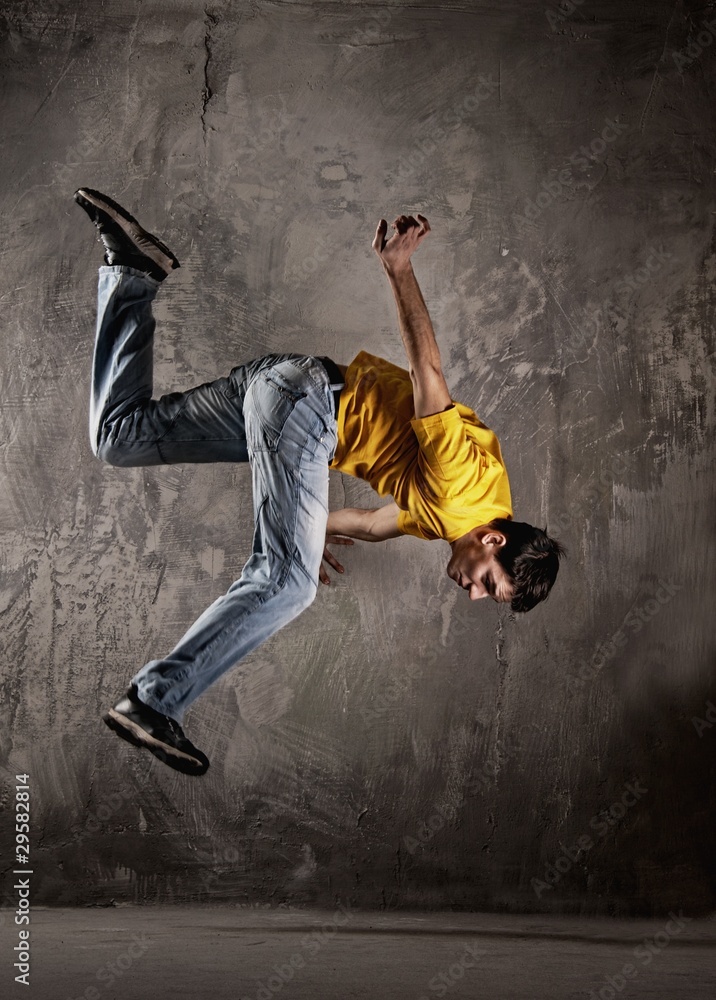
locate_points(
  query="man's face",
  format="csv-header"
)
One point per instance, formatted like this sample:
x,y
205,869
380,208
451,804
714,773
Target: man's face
x,y
474,566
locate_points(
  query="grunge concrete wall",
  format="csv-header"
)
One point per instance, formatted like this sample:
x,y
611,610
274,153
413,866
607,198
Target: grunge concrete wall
x,y
396,746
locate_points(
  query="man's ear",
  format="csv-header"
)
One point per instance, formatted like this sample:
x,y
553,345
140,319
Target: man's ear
x,y
494,538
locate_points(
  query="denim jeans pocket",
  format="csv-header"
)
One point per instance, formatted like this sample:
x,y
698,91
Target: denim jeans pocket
x,y
270,401
283,386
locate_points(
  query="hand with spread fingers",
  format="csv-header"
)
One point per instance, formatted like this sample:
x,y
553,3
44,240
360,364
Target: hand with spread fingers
x,y
330,558
409,233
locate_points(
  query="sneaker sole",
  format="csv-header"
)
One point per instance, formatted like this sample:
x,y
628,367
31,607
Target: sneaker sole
x,y
146,243
139,737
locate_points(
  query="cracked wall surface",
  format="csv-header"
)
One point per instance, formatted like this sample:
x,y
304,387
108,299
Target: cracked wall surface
x,y
396,746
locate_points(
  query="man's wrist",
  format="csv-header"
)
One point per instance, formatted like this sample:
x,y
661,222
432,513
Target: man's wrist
x,y
397,272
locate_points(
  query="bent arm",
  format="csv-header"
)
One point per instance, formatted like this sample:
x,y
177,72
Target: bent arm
x,y
366,525
430,390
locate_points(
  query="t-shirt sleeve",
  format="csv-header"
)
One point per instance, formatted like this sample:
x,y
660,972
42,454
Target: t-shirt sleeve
x,y
449,461
409,526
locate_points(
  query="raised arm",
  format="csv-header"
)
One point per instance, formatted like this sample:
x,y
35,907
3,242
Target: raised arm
x,y
430,390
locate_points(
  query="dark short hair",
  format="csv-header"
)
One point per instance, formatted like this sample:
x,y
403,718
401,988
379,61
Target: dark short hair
x,y
530,558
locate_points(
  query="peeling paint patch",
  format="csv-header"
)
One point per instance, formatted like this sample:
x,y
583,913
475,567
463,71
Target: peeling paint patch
x,y
334,172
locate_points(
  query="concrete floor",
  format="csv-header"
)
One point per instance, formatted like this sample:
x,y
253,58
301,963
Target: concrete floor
x,y
256,954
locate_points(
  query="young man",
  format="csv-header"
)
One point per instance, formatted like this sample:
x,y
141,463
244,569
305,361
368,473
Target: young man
x,y
292,417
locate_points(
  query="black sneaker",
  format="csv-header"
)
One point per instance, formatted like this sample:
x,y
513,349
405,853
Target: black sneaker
x,y
124,240
141,726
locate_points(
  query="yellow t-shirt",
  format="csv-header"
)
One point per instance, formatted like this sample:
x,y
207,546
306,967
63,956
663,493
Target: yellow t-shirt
x,y
445,471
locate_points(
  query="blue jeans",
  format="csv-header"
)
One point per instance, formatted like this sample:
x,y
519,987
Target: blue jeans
x,y
275,412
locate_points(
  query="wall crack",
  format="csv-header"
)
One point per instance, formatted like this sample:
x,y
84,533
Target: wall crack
x,y
210,21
